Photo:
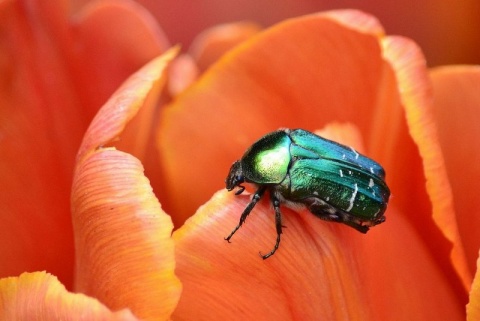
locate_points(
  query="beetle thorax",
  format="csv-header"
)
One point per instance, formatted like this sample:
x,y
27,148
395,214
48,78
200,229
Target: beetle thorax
x,y
267,161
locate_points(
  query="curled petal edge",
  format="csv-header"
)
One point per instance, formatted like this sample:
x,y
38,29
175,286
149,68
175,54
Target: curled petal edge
x,y
40,296
406,58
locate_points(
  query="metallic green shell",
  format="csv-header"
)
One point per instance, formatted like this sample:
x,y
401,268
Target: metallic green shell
x,y
338,174
329,149
348,188
301,165
267,160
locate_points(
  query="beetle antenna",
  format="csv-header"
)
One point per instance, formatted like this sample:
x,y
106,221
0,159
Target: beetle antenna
x,y
256,197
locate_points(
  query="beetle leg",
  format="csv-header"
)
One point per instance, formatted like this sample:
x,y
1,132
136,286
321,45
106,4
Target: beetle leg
x,y
256,197
278,225
327,212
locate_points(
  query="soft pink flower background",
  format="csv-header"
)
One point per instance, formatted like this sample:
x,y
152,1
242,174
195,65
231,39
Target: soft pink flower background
x,y
446,30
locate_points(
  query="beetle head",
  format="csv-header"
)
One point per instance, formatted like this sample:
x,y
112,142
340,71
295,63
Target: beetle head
x,y
235,178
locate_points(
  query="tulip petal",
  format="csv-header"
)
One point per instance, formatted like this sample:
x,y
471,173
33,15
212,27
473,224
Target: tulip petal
x,y
357,21
40,296
212,43
347,134
40,129
125,254
322,270
304,72
417,101
457,101
402,273
473,306
181,74
56,71
115,39
232,277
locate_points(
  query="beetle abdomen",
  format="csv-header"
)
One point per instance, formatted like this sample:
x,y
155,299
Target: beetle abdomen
x,y
344,187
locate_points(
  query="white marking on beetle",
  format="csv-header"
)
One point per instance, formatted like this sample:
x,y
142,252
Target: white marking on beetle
x,y
350,173
371,170
352,199
327,198
315,193
371,183
356,154
341,172
344,156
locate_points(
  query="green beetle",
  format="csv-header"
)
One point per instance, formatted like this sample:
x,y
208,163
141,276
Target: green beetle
x,y
299,168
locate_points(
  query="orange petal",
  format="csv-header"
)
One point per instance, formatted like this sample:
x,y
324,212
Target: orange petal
x,y
402,272
125,254
55,72
114,38
457,113
417,100
234,278
357,21
345,133
272,80
141,89
40,129
182,73
473,306
212,43
322,270
40,296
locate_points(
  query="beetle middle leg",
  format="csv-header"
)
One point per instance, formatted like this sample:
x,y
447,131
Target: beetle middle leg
x,y
278,226
256,197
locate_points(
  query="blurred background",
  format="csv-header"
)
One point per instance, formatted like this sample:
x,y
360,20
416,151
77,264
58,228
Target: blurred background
x,y
447,30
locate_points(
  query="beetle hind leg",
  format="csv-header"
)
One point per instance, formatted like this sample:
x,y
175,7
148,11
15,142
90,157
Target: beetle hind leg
x,y
326,212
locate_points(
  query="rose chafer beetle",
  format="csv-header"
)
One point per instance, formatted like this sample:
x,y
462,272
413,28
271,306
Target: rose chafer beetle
x,y
299,168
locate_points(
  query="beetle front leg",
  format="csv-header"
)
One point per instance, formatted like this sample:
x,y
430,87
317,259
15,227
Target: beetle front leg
x,y
278,226
256,197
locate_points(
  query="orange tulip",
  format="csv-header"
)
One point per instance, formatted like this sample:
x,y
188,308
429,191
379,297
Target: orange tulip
x,y
336,72
456,114
56,72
